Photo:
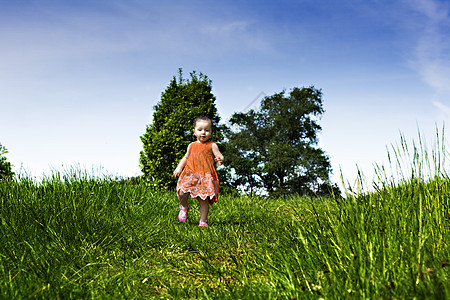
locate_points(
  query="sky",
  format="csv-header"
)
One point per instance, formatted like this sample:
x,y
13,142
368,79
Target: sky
x,y
79,79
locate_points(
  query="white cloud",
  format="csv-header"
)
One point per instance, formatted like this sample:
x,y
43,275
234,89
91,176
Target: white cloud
x,y
434,10
57,34
432,51
443,109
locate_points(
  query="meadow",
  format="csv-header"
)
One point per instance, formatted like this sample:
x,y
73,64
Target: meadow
x,y
76,236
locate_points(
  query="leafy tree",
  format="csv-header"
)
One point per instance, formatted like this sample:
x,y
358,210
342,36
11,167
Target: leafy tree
x,y
166,139
274,149
5,166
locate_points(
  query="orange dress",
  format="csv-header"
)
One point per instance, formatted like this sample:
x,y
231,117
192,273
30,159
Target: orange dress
x,y
199,177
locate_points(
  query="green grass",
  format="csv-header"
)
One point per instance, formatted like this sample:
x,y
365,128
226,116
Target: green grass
x,y
78,236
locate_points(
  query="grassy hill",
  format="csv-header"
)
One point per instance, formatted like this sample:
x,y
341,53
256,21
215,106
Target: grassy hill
x,y
72,236
75,236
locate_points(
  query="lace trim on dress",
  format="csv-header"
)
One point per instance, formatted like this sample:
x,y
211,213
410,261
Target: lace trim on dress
x,y
199,186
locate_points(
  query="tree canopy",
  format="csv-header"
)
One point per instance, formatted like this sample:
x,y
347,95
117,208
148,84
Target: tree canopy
x,y
167,137
274,149
5,165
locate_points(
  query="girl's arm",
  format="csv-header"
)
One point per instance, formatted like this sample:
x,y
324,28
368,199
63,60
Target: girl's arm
x,y
182,163
218,157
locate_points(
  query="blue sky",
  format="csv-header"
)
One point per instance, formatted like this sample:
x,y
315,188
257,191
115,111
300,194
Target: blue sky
x,y
79,79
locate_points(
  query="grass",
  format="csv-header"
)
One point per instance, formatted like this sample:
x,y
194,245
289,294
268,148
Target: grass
x,y
75,236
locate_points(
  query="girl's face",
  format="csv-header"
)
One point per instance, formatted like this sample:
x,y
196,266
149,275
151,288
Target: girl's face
x,y
202,130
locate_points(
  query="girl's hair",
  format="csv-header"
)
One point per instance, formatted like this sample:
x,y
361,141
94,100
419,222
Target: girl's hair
x,y
202,118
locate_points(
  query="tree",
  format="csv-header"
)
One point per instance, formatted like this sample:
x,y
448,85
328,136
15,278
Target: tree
x,y
275,148
5,166
166,139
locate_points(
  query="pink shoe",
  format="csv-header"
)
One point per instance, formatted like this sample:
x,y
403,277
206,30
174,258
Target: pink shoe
x,y
202,223
183,215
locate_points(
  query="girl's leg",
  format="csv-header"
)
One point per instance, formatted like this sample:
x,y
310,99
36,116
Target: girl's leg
x,y
204,208
184,208
184,199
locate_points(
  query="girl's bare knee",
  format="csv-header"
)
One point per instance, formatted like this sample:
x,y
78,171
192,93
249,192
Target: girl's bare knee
x,y
201,201
180,193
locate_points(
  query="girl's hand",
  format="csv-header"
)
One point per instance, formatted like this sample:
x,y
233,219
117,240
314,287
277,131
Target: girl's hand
x,y
219,160
182,163
177,172
218,157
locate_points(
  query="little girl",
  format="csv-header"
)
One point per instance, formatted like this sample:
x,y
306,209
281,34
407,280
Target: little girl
x,y
198,177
